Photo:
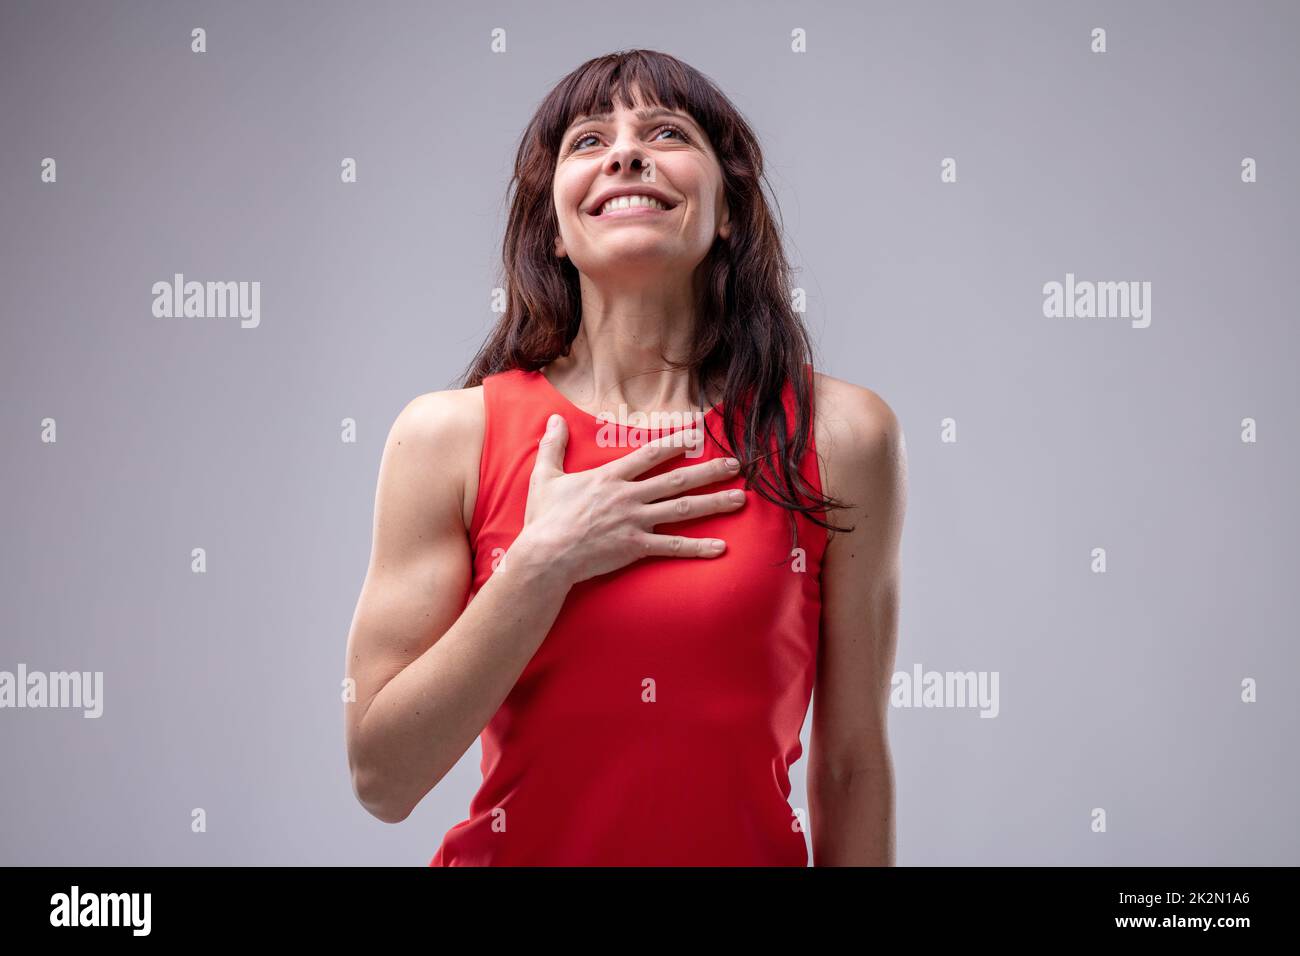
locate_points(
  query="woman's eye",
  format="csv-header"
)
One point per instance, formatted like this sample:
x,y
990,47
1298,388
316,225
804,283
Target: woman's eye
x,y
664,129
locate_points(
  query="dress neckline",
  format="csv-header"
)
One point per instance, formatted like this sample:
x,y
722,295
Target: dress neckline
x,y
712,412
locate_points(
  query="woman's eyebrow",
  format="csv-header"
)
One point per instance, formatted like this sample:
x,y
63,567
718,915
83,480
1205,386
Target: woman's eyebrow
x,y
642,115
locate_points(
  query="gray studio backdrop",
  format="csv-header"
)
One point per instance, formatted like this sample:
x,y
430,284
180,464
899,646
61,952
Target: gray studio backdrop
x,y
1102,513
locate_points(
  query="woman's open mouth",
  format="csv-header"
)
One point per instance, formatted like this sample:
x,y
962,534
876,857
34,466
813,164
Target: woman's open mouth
x,y
632,206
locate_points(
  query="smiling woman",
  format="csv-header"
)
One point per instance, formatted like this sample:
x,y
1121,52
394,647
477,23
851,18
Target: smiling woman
x,y
636,640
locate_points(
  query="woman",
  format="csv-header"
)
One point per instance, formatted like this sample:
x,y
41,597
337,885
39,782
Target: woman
x,y
633,620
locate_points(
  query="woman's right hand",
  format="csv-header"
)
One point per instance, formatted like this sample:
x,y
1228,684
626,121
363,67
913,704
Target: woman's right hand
x,y
592,522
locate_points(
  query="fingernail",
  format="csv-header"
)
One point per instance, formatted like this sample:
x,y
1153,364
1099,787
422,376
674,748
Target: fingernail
x,y
715,545
733,463
736,495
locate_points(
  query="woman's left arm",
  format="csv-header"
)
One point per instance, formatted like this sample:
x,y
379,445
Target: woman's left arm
x,y
850,770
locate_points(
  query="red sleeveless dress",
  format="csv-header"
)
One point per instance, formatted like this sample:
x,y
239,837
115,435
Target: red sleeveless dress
x,y
657,721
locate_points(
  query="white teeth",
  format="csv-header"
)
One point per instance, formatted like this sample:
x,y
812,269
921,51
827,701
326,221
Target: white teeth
x,y
626,202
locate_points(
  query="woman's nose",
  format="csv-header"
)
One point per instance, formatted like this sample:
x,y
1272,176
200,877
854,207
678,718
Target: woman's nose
x,y
628,155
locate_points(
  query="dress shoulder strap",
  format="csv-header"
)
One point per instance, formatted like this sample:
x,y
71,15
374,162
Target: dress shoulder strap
x,y
501,391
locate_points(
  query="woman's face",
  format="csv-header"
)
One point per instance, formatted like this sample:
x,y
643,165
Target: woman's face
x,y
660,153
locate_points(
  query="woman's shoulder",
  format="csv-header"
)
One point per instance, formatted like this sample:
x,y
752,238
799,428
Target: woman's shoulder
x,y
444,432
441,416
853,403
858,436
849,412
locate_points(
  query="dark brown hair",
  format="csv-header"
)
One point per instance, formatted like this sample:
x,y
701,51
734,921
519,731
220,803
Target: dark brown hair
x,y
748,337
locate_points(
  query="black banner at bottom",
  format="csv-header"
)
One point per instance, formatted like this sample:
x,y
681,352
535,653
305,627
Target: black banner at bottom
x,y
338,905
